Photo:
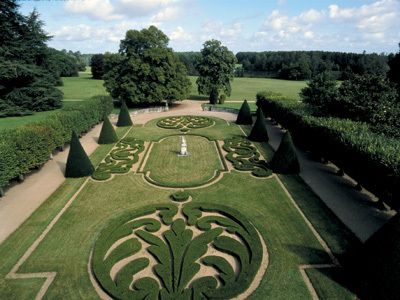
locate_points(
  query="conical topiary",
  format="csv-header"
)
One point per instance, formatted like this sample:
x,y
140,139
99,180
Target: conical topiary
x,y
285,159
78,163
244,117
107,133
124,119
259,132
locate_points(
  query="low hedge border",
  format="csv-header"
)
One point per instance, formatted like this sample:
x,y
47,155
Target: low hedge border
x,y
373,160
245,157
178,253
185,122
30,146
119,161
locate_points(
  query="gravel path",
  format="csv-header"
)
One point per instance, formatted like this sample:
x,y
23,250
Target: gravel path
x,y
354,208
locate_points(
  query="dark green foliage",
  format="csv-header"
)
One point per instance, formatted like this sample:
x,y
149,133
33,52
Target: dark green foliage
x,y
97,66
29,146
222,98
185,122
124,118
78,163
259,131
371,159
285,158
145,70
244,116
107,133
26,80
378,263
215,65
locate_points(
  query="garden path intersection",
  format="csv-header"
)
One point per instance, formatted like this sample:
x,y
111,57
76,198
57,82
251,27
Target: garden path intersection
x,y
336,192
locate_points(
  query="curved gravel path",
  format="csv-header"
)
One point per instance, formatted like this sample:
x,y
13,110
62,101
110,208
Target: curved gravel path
x,y
355,209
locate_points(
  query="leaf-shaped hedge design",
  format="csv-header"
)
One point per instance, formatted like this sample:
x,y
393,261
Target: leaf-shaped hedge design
x,y
176,246
185,122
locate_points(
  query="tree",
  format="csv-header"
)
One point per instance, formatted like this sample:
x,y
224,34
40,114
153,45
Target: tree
x,y
321,93
26,82
259,131
145,70
285,159
215,65
124,118
107,133
244,116
394,72
97,66
78,163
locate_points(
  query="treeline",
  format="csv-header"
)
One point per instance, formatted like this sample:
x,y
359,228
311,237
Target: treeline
x,y
30,70
302,65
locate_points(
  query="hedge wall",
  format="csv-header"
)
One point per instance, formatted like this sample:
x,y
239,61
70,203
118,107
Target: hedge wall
x,y
373,160
29,146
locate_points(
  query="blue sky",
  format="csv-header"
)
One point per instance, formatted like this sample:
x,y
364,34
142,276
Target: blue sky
x,y
97,26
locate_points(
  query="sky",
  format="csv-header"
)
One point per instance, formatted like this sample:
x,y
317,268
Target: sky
x,y
97,26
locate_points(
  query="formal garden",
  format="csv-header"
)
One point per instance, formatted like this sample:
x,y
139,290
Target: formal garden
x,y
148,224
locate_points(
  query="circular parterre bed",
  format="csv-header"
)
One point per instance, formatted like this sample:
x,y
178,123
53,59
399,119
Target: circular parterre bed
x,y
194,251
185,123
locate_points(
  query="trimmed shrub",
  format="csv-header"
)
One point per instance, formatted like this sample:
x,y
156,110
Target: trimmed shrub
x,y
259,132
107,134
244,116
78,163
222,98
285,158
124,119
180,196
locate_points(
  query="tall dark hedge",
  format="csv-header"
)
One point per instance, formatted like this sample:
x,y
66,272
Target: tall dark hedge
x,y
107,133
124,119
29,146
285,159
244,117
259,132
78,163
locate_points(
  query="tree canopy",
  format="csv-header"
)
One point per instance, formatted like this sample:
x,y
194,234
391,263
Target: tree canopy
x,y
215,65
145,70
27,77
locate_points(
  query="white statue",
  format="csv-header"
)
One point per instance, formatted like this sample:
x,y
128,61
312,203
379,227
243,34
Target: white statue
x,y
183,147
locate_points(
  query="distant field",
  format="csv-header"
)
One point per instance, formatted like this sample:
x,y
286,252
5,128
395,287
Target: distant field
x,y
82,87
247,88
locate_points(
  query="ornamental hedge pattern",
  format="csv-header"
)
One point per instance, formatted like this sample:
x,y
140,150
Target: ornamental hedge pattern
x,y
245,157
177,243
185,122
121,159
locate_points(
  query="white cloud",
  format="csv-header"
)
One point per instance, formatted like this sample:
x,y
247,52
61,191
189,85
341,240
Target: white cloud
x,y
94,9
141,8
311,16
235,30
167,14
276,21
180,35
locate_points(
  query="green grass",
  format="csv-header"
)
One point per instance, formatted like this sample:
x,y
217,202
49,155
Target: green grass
x,y
247,88
289,240
82,87
167,169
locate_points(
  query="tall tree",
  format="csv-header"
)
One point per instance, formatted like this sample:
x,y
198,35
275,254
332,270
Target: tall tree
x,y
97,66
145,70
215,65
25,82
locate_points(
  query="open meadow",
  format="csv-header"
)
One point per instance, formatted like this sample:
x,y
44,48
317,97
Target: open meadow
x,y
237,231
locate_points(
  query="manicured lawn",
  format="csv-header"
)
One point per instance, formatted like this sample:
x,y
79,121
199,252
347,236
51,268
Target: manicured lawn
x,y
82,87
247,88
289,240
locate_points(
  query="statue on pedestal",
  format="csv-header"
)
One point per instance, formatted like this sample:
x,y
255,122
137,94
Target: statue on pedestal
x,y
183,147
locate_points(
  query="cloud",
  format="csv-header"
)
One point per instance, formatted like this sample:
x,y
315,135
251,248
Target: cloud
x,y
94,9
179,35
167,14
107,11
235,30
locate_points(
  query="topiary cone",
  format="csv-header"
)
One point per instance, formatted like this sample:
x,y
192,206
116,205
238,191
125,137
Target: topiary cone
x,y
244,117
124,119
259,131
78,163
285,159
107,133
